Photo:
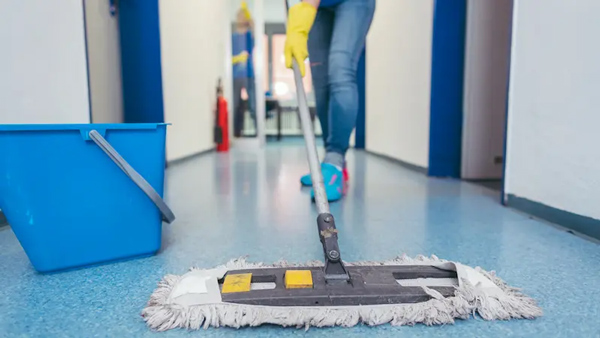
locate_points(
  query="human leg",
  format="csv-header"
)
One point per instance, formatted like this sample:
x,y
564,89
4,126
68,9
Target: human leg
x,y
251,90
319,42
238,111
352,22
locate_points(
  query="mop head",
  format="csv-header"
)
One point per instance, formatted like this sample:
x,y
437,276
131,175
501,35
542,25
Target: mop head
x,y
193,301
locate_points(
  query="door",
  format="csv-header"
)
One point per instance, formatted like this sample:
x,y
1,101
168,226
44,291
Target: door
x,y
487,57
104,61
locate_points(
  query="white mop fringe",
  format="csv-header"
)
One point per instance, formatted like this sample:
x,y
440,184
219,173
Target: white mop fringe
x,y
469,301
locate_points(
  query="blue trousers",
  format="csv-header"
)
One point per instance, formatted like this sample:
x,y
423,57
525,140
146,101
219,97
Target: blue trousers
x,y
335,44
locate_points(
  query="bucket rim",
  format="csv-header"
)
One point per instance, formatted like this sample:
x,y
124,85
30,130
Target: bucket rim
x,y
80,126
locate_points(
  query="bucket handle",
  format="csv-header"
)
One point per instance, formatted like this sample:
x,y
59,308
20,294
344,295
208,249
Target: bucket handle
x,y
166,212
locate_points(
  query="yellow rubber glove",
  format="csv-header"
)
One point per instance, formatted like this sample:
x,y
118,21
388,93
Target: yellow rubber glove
x,y
300,20
240,58
245,10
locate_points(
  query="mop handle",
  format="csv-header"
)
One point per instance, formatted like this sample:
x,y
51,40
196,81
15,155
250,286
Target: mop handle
x,y
309,138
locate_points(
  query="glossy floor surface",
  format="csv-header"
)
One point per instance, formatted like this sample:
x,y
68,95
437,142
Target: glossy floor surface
x,y
250,203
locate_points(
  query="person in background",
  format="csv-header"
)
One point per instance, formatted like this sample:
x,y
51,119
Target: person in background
x,y
242,44
333,33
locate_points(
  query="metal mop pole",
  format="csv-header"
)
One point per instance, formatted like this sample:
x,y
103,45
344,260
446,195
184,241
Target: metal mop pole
x,y
311,146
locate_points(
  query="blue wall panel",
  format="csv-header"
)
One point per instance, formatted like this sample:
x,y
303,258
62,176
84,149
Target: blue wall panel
x,y
445,140
140,58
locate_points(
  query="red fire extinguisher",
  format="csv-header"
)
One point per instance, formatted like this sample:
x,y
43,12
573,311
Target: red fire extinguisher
x,y
221,132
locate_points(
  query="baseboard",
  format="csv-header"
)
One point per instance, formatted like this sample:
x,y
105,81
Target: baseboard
x,y
493,184
406,165
581,224
283,136
189,157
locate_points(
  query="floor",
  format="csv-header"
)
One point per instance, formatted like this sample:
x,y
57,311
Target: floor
x,y
250,202
490,184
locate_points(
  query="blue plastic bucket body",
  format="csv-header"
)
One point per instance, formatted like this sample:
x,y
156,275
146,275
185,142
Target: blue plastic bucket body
x,y
69,204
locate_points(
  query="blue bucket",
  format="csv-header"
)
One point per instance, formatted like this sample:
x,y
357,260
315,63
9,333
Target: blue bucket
x,y
83,194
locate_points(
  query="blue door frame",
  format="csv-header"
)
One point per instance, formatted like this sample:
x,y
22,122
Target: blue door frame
x,y
140,58
446,106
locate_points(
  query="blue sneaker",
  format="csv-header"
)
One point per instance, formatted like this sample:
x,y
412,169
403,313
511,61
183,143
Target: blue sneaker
x,y
334,182
306,180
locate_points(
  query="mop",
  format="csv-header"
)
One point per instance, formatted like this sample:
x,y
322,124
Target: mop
x,y
401,291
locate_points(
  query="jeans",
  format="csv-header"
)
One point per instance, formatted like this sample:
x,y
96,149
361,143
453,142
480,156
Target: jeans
x,y
238,107
335,43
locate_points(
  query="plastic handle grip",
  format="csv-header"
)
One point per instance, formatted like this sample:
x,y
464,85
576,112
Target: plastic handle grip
x,y
166,212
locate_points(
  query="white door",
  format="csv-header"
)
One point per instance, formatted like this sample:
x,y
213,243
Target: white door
x,y
104,61
487,57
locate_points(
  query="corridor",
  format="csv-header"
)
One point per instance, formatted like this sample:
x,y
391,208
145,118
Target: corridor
x,y
249,202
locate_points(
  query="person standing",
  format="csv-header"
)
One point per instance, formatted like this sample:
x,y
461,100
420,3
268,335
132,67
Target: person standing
x,y
242,44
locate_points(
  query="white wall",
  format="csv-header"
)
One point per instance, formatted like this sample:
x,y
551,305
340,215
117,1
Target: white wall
x,y
398,78
104,60
553,154
486,75
193,53
43,63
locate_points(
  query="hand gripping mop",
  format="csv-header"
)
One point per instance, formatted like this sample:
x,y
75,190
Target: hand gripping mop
x,y
402,291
